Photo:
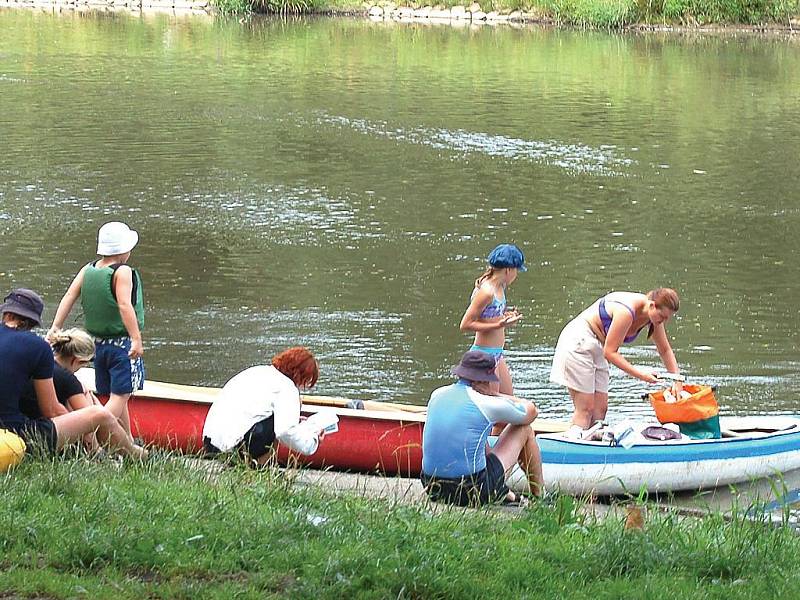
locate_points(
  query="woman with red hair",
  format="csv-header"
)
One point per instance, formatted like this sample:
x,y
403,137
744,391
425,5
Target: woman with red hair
x,y
262,404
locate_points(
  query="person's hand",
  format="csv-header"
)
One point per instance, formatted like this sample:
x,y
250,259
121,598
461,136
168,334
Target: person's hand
x,y
137,350
649,377
677,388
50,336
509,318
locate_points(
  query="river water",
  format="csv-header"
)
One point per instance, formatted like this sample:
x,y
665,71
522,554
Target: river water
x,y
338,184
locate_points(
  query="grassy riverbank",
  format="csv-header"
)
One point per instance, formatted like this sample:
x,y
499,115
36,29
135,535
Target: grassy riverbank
x,y
583,13
165,530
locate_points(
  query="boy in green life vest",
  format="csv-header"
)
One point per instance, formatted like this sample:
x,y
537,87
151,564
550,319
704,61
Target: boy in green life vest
x,y
113,308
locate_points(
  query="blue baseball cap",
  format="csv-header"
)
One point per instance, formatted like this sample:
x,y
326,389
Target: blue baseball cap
x,y
507,256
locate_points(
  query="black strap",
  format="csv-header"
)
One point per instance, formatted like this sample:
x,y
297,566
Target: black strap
x,y
134,277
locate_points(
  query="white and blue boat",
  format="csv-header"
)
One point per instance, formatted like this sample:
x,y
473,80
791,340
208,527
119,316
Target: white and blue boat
x,y
751,448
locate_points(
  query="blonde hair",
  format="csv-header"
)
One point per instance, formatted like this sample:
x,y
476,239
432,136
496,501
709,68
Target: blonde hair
x,y
73,343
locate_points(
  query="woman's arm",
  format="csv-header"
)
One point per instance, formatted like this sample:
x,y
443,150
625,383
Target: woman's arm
x,y
123,286
664,348
79,401
67,302
49,405
288,429
620,324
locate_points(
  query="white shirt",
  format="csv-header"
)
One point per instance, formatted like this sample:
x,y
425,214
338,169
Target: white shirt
x,y
252,396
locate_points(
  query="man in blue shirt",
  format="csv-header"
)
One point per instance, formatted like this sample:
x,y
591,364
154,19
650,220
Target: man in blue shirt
x,y
457,465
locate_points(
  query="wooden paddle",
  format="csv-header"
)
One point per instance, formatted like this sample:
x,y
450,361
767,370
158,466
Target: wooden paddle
x,y
368,404
539,425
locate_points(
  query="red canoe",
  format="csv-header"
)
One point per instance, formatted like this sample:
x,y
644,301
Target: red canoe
x,y
383,437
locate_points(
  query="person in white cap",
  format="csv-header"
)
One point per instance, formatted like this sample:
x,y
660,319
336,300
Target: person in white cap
x,y
111,294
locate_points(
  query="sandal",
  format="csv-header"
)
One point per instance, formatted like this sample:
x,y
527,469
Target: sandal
x,y
515,500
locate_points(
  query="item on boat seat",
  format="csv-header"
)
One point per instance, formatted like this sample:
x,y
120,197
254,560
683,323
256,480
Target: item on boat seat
x,y
697,416
660,434
626,436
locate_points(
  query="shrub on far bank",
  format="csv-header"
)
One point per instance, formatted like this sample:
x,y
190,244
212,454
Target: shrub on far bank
x,y
276,7
592,13
729,11
604,14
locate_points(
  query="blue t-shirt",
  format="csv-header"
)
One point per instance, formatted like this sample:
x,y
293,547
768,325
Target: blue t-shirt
x,y
23,356
457,427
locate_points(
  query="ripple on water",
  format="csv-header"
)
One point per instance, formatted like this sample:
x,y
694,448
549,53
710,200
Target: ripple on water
x,y
290,215
578,158
361,353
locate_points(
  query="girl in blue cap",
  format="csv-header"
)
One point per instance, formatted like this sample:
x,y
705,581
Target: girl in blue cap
x,y
488,315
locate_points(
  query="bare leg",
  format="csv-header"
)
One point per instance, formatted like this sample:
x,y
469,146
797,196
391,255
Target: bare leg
x,y
77,402
600,406
502,371
117,405
516,444
126,419
505,386
584,408
73,426
531,462
268,458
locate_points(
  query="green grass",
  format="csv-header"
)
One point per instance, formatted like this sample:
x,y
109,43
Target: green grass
x,y
71,528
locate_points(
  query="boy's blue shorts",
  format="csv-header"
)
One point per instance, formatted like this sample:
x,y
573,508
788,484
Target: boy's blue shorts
x,y
114,371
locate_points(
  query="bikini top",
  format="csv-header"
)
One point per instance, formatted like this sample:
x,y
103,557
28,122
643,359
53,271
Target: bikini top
x,y
496,308
606,318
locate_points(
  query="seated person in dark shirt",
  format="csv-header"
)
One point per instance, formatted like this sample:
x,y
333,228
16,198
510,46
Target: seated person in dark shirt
x,y
72,349
25,356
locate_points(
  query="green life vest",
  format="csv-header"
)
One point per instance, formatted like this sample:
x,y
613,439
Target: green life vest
x,y
100,308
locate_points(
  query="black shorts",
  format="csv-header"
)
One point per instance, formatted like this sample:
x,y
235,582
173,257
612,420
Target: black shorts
x,y
488,485
255,443
39,435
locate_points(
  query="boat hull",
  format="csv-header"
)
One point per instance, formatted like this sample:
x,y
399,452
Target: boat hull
x,y
577,467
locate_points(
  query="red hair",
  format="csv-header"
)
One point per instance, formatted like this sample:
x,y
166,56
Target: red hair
x,y
299,365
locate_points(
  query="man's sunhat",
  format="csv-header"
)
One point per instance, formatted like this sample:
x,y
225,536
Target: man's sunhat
x,y
25,303
116,238
476,366
507,256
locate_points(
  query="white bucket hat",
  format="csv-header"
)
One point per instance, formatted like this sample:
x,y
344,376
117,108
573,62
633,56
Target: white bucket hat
x,y
116,238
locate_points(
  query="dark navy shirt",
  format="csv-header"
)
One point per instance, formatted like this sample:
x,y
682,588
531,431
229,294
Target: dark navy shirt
x,y
66,384
23,356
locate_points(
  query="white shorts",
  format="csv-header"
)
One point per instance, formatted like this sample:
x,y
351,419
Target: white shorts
x,y
578,362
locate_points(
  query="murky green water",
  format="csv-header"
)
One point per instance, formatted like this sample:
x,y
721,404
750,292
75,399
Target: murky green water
x,y
337,184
